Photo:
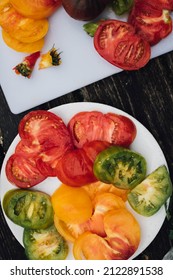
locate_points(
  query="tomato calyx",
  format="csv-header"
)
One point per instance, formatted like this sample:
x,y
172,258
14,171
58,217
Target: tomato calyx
x,y
26,67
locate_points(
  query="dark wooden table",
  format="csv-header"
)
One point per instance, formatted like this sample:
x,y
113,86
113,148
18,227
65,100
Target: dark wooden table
x,y
147,95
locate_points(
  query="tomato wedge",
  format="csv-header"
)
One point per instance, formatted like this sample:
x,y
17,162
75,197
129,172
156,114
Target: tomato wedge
x,y
160,4
117,43
150,22
91,126
22,171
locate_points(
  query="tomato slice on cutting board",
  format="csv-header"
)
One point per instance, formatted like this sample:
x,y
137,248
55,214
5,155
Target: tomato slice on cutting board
x,y
117,43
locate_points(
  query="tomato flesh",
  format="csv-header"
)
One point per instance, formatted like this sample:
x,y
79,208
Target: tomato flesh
x,y
117,43
150,22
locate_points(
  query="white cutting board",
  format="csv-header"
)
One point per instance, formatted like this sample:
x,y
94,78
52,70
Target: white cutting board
x,y
81,65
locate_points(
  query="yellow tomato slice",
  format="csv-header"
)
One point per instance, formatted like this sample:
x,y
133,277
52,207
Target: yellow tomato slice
x,y
72,205
36,8
24,29
99,187
20,46
90,246
123,231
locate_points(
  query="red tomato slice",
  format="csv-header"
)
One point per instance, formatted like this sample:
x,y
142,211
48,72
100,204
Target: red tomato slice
x,y
91,246
44,128
117,43
25,149
150,22
125,130
92,126
75,169
89,126
48,160
93,148
22,171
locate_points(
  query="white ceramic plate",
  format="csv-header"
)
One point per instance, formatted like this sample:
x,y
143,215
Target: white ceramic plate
x,y
81,64
144,143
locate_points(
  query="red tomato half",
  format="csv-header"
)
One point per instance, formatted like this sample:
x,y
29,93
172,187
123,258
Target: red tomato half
x,y
150,22
44,128
22,171
112,128
117,43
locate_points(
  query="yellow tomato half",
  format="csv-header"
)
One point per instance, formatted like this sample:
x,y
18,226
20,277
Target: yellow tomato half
x,y
72,205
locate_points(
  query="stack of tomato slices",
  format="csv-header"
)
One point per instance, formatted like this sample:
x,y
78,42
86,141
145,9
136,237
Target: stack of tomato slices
x,y
49,148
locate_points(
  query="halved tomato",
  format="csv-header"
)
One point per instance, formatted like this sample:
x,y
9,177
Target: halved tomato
x,y
91,126
150,22
36,8
117,43
22,171
24,29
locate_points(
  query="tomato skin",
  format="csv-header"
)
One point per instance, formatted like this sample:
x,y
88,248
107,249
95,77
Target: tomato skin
x,y
150,22
22,171
92,126
117,43
160,4
125,130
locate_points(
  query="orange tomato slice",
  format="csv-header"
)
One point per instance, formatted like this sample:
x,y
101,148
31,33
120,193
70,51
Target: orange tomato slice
x,y
20,46
36,8
72,205
90,246
123,231
24,29
99,187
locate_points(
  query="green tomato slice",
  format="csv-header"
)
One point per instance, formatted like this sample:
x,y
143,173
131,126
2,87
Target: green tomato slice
x,y
121,167
148,197
29,209
44,244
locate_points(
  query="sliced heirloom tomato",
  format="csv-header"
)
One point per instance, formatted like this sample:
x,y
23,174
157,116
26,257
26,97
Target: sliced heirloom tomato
x,y
24,29
120,166
71,205
44,128
75,168
44,244
148,197
160,4
20,46
151,23
112,128
29,209
22,171
123,232
36,9
117,43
